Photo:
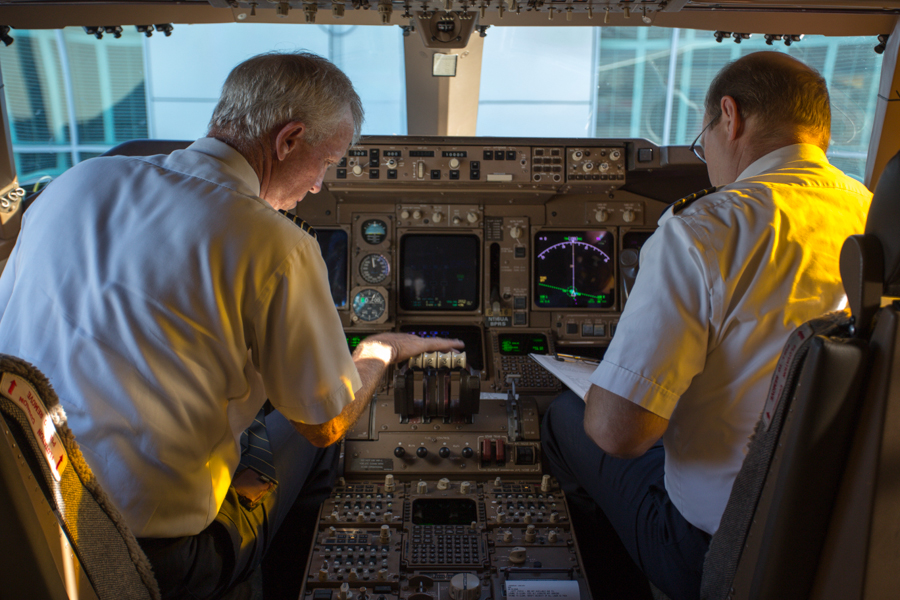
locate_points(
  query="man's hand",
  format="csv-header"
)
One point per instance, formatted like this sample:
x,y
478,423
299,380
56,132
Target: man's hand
x,y
399,347
620,427
372,357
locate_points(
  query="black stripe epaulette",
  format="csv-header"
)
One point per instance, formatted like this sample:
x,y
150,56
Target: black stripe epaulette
x,y
300,223
680,205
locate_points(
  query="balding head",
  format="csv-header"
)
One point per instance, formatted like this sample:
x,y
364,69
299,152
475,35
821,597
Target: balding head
x,y
787,99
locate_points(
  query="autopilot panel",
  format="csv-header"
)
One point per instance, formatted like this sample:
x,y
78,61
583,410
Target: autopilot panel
x,y
517,247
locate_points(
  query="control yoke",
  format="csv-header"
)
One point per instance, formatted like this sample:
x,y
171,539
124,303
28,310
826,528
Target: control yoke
x,y
449,389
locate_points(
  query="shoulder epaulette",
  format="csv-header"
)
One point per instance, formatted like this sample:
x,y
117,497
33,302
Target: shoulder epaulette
x,y
300,223
680,205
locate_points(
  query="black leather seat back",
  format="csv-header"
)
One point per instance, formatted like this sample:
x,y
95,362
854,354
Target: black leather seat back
x,y
813,512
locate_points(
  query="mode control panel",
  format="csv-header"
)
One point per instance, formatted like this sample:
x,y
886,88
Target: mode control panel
x,y
492,165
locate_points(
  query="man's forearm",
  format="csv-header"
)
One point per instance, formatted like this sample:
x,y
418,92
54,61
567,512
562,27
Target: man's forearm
x,y
372,358
371,367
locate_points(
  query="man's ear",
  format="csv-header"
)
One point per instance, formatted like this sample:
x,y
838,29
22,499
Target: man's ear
x,y
731,114
287,138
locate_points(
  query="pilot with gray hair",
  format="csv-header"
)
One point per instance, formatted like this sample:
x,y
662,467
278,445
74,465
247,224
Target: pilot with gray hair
x,y
651,453
167,298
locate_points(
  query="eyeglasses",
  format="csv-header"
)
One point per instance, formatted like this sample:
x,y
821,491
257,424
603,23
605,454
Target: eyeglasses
x,y
696,148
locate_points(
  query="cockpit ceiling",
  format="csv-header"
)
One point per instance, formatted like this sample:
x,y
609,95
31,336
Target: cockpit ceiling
x,y
828,17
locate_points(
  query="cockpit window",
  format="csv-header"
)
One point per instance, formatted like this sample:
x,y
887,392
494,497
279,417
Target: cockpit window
x,y
71,96
650,82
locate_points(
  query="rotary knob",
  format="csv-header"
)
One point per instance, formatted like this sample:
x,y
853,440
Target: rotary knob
x,y
404,214
552,537
517,555
391,164
515,232
443,484
472,217
465,586
602,215
417,214
604,167
357,170
437,217
454,163
388,483
545,483
421,488
385,536
465,487
529,534
507,536
587,167
628,215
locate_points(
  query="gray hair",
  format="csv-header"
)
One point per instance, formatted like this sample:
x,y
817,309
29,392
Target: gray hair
x,y
272,89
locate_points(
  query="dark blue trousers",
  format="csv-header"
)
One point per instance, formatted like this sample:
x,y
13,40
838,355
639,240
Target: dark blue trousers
x,y
627,496
210,563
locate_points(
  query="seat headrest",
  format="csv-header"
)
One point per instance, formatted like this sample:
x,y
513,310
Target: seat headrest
x,y
884,223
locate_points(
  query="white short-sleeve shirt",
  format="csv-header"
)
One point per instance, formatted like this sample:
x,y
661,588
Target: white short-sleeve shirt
x,y
165,301
721,286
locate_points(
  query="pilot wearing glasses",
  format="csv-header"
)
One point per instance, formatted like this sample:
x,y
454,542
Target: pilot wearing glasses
x,y
654,447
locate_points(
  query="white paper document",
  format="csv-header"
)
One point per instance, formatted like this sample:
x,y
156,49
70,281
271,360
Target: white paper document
x,y
539,589
574,374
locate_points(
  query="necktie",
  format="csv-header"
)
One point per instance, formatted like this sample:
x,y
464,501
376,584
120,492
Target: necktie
x,y
257,453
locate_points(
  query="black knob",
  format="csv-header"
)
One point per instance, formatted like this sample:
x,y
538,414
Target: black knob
x,y
467,452
421,451
399,452
444,452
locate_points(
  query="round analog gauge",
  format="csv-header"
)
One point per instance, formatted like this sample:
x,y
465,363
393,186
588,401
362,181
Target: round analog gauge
x,y
369,305
374,268
374,231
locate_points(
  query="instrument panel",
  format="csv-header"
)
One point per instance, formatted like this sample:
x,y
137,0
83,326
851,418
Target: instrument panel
x,y
505,243
516,247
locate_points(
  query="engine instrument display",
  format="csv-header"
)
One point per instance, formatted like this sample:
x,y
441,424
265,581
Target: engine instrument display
x,y
439,272
522,344
574,269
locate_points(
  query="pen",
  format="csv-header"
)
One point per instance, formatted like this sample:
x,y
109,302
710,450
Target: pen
x,y
572,358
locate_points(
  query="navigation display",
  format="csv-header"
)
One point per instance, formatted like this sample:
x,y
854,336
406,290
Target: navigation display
x,y
439,272
333,243
574,269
